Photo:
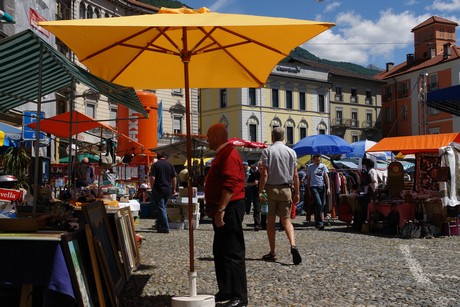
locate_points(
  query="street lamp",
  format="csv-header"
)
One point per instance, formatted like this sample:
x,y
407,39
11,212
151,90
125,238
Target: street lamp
x,y
6,18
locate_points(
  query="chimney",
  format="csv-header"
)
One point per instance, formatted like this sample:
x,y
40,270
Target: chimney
x,y
390,66
409,58
446,51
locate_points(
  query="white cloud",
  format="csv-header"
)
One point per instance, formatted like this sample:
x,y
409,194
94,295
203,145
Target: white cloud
x,y
219,5
363,41
331,7
445,6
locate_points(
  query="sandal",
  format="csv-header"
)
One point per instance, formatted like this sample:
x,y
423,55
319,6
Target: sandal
x,y
269,257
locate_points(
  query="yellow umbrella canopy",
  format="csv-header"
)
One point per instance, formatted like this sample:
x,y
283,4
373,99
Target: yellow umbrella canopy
x,y
148,51
184,48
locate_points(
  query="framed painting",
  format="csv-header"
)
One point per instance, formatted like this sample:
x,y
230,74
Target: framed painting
x,y
80,269
104,244
131,236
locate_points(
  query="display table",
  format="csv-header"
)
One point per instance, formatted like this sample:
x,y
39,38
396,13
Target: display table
x,y
406,211
37,259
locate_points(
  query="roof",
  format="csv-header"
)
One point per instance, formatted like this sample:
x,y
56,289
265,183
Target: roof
x,y
432,20
24,55
446,100
416,143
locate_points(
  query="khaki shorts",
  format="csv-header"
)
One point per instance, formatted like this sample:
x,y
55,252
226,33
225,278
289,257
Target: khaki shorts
x,y
279,200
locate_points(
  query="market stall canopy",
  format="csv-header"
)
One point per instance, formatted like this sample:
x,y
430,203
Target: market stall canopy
x,y
446,100
24,54
416,143
70,123
178,151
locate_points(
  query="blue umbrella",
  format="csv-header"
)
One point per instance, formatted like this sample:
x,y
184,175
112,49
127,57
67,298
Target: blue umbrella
x,y
360,148
321,144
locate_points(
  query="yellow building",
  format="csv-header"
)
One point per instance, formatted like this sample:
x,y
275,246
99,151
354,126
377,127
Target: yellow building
x,y
306,98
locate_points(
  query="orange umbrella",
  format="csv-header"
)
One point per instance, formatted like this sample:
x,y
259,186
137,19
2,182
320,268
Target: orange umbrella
x,y
184,48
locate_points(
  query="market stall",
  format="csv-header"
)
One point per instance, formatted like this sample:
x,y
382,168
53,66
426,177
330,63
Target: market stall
x,y
432,192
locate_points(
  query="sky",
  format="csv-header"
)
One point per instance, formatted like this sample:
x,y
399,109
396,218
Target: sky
x,y
366,32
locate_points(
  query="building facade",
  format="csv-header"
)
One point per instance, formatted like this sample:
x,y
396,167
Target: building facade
x,y
433,65
304,97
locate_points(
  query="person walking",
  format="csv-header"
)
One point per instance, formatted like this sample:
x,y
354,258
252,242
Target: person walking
x,y
224,195
280,179
84,174
252,192
318,184
163,181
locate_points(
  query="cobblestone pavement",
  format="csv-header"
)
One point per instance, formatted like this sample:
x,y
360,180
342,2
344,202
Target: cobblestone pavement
x,y
339,268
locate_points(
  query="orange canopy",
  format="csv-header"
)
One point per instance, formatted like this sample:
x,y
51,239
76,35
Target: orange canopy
x,y
416,143
61,124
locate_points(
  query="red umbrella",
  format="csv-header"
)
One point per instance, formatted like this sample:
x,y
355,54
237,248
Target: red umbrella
x,y
254,144
238,142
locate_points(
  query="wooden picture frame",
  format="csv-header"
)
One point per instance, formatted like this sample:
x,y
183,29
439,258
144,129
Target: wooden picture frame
x,y
134,247
80,268
123,243
106,251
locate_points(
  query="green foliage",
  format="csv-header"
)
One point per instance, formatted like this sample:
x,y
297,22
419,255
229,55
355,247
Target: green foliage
x,y
301,53
15,162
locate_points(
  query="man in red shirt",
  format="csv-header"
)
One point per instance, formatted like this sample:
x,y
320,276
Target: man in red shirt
x,y
224,189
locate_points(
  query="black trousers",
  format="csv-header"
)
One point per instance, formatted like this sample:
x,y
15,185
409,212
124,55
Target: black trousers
x,y
229,253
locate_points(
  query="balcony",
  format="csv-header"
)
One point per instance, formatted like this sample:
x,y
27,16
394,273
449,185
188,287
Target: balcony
x,y
371,125
340,122
368,100
338,97
354,123
354,99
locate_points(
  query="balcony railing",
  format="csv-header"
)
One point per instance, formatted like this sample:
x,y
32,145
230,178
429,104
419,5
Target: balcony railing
x,y
371,124
368,100
354,99
338,97
340,122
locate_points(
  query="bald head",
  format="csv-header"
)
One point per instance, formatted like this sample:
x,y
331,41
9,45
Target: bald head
x,y
85,160
217,135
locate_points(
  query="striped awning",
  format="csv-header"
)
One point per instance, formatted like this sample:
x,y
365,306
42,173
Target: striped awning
x,y
26,61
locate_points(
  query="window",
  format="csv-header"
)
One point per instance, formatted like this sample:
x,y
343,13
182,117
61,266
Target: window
x,y
321,131
302,132
433,82
338,93
404,112
275,98
289,135
388,115
339,117
253,132
82,11
97,12
354,138
89,12
369,120
354,119
113,117
302,102
354,95
388,93
289,100
321,105
368,96
223,98
177,124
403,89
252,97
91,109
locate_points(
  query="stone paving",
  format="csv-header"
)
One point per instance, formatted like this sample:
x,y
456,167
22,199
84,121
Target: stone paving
x,y
340,268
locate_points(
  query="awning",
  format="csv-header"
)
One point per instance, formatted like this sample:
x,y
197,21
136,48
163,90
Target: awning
x,y
63,126
416,143
11,132
446,100
20,57
178,151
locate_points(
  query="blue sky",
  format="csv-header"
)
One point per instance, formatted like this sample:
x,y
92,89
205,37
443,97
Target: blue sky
x,y
366,31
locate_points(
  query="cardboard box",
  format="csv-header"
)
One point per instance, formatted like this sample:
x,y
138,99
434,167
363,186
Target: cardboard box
x,y
195,221
179,225
183,192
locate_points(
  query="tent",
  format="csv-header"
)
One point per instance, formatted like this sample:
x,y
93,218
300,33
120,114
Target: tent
x,y
416,143
177,152
446,100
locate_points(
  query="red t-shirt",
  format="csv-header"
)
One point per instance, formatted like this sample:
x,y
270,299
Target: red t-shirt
x,y
226,172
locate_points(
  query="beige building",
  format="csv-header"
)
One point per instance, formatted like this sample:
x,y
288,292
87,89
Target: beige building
x,y
304,97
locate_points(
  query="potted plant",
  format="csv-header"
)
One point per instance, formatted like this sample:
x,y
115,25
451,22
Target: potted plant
x,y
15,162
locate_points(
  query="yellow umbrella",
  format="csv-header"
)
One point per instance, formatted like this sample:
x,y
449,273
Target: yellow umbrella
x,y
184,48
